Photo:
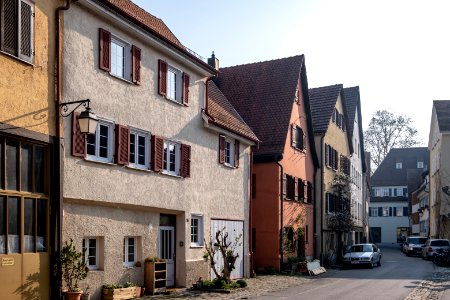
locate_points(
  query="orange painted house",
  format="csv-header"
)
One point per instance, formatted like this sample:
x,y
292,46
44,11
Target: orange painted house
x,y
272,97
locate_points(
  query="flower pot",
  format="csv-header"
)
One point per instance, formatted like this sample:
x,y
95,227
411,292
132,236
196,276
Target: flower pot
x,y
72,295
85,296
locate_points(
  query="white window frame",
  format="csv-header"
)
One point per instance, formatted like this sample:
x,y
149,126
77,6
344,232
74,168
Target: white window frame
x,y
420,165
398,165
229,153
110,146
166,170
385,192
400,191
374,211
86,252
126,58
399,211
140,133
175,87
385,211
126,241
200,228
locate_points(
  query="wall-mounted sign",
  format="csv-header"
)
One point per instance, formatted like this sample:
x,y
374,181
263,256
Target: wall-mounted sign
x,y
7,261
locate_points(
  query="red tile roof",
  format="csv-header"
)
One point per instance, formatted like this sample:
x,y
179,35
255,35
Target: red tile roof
x,y
152,24
222,113
263,93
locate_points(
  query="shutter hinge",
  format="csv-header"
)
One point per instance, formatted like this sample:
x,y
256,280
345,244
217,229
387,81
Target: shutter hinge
x,y
34,15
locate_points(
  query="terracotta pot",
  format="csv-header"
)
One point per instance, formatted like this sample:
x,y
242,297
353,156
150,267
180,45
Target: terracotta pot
x,y
72,295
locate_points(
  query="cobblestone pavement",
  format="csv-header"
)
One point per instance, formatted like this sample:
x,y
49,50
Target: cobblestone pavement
x,y
260,285
435,288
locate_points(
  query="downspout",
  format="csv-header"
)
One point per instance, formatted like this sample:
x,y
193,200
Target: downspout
x,y
321,212
59,154
277,160
314,217
250,220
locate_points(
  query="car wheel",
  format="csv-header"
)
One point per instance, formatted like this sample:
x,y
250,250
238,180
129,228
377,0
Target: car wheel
x,y
407,253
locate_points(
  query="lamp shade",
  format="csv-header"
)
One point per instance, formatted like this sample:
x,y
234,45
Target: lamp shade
x,y
87,121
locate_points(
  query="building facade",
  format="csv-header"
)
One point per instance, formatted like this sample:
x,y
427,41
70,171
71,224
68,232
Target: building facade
x,y
334,147
29,149
284,164
439,145
392,184
162,174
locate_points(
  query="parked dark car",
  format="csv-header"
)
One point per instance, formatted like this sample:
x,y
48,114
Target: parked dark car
x,y
432,245
413,245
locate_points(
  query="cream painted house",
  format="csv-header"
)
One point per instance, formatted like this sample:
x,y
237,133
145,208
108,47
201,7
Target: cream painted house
x,y
439,147
334,147
170,162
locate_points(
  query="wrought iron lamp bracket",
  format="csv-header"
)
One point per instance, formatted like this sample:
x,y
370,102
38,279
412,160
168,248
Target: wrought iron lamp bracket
x,y
65,106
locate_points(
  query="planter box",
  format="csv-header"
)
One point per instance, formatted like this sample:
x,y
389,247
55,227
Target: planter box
x,y
123,293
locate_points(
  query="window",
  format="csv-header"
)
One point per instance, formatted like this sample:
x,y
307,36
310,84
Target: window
x,y
173,83
385,211
398,165
309,192
90,251
332,203
129,251
297,137
171,160
119,58
139,149
17,28
331,157
420,165
385,192
196,230
399,191
229,151
290,187
398,211
99,146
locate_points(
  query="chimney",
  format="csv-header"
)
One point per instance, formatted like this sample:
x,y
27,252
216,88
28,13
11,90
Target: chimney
x,y
213,62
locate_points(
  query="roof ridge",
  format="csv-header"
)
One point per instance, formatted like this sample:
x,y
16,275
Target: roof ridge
x,y
264,61
327,86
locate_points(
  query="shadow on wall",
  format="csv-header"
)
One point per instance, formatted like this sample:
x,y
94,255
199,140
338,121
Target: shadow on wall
x,y
38,117
30,289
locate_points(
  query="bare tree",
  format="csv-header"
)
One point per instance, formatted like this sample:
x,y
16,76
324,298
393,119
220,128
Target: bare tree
x,y
386,131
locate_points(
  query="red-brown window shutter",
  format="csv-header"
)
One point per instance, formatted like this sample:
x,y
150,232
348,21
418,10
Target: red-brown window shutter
x,y
309,193
122,154
78,139
105,50
297,181
301,190
157,153
185,160
185,89
236,153
136,64
162,77
221,149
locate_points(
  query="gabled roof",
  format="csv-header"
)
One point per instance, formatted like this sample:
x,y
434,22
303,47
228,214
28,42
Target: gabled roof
x,y
443,114
353,106
221,113
263,93
152,24
323,100
387,175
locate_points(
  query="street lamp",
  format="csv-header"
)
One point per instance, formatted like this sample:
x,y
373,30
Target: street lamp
x,y
87,119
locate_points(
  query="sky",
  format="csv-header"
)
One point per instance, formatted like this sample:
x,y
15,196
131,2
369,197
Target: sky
x,y
396,51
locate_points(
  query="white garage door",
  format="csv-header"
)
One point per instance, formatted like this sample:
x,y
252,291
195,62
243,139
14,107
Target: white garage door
x,y
234,229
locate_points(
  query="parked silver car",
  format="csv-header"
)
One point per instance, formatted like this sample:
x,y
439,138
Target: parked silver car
x,y
413,245
363,254
432,245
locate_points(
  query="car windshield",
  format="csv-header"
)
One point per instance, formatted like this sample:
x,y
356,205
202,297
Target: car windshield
x,y
440,243
362,248
417,240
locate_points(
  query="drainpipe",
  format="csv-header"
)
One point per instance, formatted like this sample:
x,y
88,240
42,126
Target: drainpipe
x,y
321,212
250,220
314,217
277,160
56,285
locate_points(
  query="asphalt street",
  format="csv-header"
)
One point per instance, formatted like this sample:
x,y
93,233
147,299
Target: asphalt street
x,y
395,279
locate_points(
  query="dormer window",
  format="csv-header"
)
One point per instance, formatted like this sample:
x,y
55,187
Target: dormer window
x,y
398,165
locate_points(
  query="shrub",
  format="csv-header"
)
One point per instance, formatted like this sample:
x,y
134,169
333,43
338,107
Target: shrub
x,y
270,270
208,283
242,283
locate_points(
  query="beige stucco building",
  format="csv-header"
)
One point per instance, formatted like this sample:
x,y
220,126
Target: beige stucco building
x,y
439,147
164,171
29,181
333,148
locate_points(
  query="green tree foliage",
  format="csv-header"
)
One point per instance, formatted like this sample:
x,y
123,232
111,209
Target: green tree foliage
x,y
386,131
73,267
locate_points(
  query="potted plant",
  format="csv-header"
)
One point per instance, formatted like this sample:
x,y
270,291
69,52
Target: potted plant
x,y
73,269
128,290
85,295
293,262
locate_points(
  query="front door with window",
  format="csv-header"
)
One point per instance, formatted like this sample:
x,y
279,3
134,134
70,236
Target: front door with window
x,y
167,251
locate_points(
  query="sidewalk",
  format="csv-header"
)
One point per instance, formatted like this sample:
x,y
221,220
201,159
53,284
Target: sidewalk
x,y
436,288
260,285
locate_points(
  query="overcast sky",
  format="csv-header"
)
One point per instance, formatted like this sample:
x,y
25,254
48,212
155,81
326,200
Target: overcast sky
x,y
398,52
